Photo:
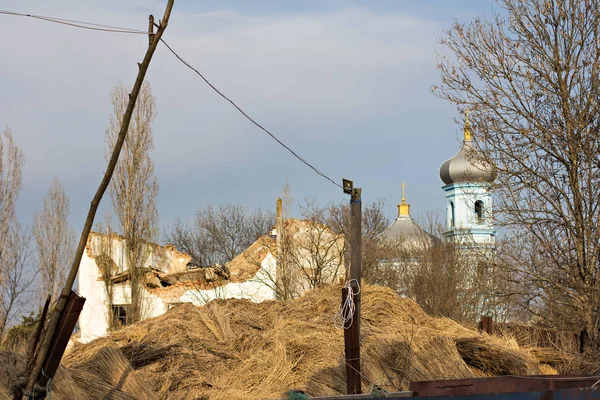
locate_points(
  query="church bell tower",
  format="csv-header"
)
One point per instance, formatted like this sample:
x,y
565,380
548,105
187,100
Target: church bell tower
x,y
469,207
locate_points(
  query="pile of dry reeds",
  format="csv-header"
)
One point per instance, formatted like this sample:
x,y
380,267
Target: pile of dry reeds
x,y
106,375
236,349
537,336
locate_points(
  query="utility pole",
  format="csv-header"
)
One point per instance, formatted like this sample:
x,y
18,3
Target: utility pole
x,y
280,281
53,329
352,332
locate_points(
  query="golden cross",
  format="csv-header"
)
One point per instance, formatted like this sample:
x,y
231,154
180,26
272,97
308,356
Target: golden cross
x,y
403,186
467,129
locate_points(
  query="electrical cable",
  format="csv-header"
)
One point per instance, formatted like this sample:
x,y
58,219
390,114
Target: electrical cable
x,y
78,24
249,118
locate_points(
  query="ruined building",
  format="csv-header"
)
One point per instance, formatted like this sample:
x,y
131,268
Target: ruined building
x,y
311,254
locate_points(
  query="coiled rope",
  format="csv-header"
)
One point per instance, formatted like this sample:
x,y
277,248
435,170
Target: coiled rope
x,y
345,316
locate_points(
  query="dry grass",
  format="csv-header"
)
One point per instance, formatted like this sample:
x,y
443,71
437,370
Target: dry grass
x,y
236,349
535,336
553,357
491,357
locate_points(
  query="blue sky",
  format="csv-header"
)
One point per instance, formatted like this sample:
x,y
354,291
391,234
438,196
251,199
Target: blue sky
x,y
344,83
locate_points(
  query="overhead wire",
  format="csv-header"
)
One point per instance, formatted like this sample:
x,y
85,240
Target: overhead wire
x,y
249,118
78,24
116,29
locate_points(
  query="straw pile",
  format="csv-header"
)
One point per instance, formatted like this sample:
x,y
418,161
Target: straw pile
x,y
106,375
236,349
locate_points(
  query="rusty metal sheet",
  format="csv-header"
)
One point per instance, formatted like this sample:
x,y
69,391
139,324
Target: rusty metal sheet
x,y
501,384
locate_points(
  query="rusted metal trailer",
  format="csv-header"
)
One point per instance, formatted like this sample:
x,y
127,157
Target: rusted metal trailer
x,y
506,385
541,387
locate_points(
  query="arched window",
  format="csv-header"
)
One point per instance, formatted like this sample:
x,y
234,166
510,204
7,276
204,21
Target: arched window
x,y
452,214
479,211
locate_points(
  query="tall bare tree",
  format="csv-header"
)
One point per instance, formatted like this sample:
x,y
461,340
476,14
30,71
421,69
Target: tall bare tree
x,y
55,240
532,81
134,187
17,275
12,161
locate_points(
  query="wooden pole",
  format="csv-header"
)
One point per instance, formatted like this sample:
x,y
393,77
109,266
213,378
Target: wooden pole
x,y
280,280
486,325
356,235
154,38
352,333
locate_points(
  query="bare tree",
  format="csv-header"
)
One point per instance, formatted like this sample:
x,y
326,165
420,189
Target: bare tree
x,y
314,253
219,234
443,277
374,249
55,240
319,253
311,253
434,276
11,167
134,187
12,161
17,275
532,81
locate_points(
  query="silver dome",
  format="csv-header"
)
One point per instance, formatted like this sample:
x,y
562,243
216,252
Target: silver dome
x,y
464,168
403,227
407,232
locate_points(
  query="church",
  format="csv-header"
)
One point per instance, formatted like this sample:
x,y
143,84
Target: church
x,y
469,204
450,271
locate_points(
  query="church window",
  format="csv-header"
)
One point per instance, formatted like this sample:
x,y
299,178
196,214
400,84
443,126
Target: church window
x,y
479,211
452,214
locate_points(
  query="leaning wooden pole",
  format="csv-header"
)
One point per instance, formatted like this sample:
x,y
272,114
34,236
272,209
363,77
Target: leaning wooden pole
x,y
154,38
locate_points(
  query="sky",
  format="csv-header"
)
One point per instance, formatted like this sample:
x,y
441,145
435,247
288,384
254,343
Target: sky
x,y
346,84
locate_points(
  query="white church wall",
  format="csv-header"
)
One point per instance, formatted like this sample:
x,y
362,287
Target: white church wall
x,y
463,197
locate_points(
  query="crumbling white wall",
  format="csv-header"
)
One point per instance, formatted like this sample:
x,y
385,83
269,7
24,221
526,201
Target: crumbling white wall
x,y
257,289
93,321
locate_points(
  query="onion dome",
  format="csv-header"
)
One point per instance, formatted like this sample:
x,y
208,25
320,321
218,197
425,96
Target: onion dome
x,y
463,167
